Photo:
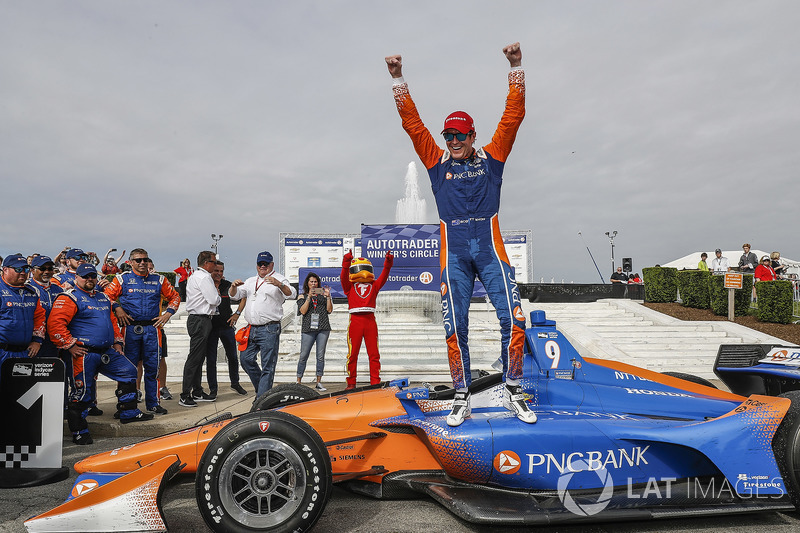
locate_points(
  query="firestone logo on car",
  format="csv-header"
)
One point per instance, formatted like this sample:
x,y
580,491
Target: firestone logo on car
x,y
263,426
507,462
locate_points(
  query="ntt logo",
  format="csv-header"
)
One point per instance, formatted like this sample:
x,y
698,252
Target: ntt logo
x,y
507,462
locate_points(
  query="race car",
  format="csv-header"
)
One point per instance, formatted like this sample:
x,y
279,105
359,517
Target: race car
x,y
770,369
612,442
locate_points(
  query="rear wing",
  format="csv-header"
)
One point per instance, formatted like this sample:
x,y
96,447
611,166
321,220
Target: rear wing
x,y
768,369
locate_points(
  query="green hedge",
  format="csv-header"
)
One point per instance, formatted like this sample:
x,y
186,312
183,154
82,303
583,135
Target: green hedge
x,y
660,284
774,301
693,288
741,298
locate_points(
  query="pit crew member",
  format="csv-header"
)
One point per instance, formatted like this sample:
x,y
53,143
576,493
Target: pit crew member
x,y
83,323
136,297
22,317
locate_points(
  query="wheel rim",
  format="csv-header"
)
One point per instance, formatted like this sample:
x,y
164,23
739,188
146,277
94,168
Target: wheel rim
x,y
262,483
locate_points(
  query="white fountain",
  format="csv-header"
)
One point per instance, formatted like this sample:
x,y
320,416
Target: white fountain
x,y
408,305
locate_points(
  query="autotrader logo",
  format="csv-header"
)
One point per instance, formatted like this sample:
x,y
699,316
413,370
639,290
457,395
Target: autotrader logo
x,y
585,508
507,462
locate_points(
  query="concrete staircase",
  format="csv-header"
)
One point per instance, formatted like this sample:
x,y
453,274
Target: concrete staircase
x,y
621,330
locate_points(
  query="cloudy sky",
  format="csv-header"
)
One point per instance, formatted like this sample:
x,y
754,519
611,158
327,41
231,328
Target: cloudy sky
x,y
155,124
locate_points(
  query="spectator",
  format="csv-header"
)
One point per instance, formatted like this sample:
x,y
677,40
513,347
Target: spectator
x,y
619,276
22,317
702,265
748,261
764,271
780,270
265,295
136,298
634,278
110,264
93,259
41,274
61,261
202,300
719,265
184,271
222,329
83,323
314,305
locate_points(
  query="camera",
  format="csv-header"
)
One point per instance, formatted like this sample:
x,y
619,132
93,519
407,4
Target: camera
x,y
317,290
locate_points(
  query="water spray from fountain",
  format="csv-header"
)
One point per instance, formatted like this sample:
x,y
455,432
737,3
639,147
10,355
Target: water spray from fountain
x,y
411,208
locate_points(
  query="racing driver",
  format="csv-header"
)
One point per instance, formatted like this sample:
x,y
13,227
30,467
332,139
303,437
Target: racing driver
x,y
466,184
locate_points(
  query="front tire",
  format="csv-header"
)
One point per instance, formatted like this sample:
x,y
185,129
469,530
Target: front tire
x,y
284,394
265,471
786,447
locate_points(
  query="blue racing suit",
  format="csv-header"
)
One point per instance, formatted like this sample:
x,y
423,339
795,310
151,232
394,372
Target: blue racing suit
x,y
85,318
467,194
47,295
140,297
22,320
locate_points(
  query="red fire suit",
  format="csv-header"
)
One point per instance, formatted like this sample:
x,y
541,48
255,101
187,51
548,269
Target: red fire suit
x,y
361,301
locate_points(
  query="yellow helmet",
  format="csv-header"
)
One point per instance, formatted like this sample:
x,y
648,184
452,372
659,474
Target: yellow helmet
x,y
361,270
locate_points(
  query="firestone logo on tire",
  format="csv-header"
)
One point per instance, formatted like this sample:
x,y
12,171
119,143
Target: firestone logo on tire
x,y
263,426
507,462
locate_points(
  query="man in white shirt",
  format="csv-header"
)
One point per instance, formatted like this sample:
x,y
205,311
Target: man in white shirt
x,y
202,299
719,265
265,295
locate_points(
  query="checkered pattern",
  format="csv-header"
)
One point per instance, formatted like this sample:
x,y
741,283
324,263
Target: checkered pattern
x,y
15,456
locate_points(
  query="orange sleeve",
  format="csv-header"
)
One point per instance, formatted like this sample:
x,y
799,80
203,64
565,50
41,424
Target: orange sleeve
x,y
113,289
424,144
506,132
63,311
169,294
118,336
39,317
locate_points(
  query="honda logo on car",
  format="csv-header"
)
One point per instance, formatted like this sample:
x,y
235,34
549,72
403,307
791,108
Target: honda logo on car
x,y
588,460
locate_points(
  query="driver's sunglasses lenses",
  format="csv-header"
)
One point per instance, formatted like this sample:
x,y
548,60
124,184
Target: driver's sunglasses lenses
x,y
262,264
82,258
22,269
46,269
460,136
90,275
140,259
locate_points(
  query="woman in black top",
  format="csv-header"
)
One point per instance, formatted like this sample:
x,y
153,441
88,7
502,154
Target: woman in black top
x,y
314,305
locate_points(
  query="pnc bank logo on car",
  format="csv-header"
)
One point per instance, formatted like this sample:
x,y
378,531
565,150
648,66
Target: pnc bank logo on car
x,y
507,462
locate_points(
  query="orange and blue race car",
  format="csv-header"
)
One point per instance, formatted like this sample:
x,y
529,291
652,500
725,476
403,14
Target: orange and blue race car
x,y
612,442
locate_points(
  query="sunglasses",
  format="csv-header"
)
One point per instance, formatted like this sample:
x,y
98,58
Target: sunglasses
x,y
460,136
91,275
45,269
140,259
82,257
21,270
262,264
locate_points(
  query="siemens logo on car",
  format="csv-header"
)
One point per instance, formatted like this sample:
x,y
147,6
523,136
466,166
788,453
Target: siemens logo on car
x,y
588,460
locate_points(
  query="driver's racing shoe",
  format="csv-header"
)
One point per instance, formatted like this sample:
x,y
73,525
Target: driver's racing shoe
x,y
514,401
461,409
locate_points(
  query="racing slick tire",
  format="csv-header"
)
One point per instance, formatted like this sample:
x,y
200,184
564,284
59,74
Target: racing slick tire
x,y
284,394
690,378
786,447
265,471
